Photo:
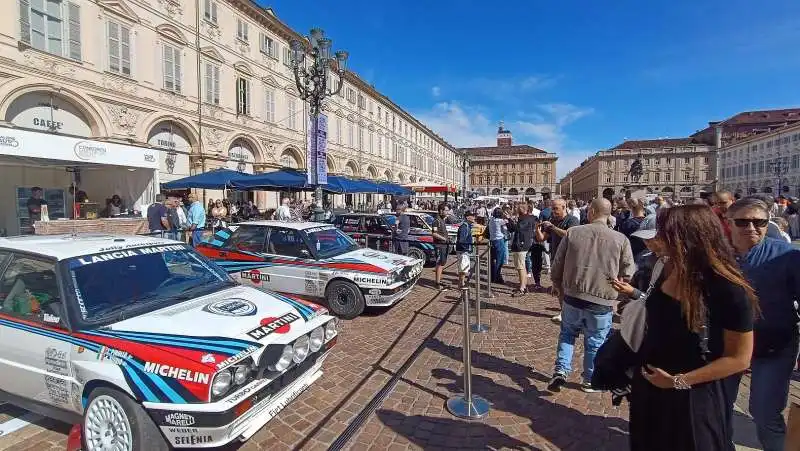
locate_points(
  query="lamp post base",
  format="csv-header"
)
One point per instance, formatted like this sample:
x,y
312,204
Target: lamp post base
x,y
474,408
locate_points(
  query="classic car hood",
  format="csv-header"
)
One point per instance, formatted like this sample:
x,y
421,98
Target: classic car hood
x,y
374,261
232,313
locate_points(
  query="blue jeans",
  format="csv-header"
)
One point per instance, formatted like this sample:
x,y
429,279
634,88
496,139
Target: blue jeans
x,y
197,237
595,328
769,393
498,258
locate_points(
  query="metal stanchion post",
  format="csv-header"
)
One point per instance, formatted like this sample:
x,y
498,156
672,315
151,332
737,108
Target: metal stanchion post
x,y
489,294
478,327
467,405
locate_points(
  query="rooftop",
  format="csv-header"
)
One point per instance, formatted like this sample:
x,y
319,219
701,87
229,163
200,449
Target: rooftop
x,y
654,143
762,117
510,150
62,247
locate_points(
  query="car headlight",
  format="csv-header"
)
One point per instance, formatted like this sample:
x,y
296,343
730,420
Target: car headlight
x,y
300,348
240,374
317,338
330,329
221,383
284,360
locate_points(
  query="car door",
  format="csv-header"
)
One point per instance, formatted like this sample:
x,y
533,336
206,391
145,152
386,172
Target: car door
x,y
293,268
35,352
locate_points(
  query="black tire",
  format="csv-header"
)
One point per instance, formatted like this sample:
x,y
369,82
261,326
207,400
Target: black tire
x,y
345,299
145,433
414,252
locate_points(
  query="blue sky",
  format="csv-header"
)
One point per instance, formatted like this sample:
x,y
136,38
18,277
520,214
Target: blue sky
x,y
572,77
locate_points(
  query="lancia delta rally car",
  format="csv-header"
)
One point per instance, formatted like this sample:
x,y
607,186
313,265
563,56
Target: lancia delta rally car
x,y
147,344
314,260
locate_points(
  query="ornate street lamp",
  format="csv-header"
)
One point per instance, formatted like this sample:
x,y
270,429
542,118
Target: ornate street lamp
x,y
311,78
779,168
463,160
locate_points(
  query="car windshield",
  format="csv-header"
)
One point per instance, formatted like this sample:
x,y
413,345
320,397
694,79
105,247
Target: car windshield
x,y
121,283
428,218
329,242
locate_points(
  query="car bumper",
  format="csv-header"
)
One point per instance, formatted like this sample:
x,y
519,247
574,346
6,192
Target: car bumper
x,y
387,297
241,418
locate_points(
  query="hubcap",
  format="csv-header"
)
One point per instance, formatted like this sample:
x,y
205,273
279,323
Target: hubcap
x,y
106,426
343,297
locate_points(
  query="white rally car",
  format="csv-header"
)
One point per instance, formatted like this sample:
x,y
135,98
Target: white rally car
x,y
313,260
147,343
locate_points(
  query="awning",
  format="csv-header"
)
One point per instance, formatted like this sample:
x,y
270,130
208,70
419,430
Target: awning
x,y
284,178
428,187
214,179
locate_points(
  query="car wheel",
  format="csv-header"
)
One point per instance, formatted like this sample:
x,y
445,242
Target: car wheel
x,y
417,253
345,299
114,421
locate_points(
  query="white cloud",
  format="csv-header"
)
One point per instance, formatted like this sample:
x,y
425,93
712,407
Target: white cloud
x,y
470,126
436,91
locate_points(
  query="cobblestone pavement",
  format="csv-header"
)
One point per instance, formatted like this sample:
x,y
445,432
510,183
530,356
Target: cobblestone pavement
x,y
386,383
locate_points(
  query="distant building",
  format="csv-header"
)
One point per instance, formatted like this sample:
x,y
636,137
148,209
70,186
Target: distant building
x,y
678,167
513,171
767,163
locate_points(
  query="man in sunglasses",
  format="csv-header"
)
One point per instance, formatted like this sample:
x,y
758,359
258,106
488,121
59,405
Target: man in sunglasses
x,y
770,266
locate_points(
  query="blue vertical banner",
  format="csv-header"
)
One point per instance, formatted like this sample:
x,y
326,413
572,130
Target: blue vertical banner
x,y
317,147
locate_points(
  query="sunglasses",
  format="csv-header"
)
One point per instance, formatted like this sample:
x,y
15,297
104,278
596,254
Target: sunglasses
x,y
757,223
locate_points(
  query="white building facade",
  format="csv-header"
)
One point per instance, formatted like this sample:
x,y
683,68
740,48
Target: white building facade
x,y
765,163
208,87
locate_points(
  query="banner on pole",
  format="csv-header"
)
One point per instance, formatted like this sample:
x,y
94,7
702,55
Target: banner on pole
x,y
317,145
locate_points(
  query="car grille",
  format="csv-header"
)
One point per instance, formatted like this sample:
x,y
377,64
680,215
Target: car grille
x,y
284,380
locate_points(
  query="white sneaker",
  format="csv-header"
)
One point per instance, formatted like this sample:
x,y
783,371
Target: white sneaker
x,y
556,319
530,275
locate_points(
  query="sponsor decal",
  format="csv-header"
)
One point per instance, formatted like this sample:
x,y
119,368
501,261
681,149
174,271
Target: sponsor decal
x,y
179,419
294,394
254,276
125,253
374,255
245,392
79,298
371,280
318,229
177,373
112,355
232,307
235,358
52,319
372,299
273,325
55,361
374,291
191,439
183,430
208,358
57,389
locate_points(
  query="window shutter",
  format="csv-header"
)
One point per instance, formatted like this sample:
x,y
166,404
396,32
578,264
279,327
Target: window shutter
x,y
74,14
263,43
245,30
176,53
125,49
214,11
169,83
216,85
209,88
25,21
113,47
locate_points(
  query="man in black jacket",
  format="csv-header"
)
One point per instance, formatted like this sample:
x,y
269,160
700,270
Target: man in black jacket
x,y
523,229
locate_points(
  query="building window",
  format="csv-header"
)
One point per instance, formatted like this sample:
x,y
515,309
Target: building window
x,y
608,179
350,137
172,69
338,130
360,138
291,105
267,46
362,102
705,160
686,160
668,177
657,177
686,176
669,160
119,49
242,96
210,11
287,57
212,84
530,179
241,30
380,146
371,142
269,101
53,26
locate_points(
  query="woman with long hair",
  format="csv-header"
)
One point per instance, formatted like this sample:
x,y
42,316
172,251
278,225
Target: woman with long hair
x,y
699,331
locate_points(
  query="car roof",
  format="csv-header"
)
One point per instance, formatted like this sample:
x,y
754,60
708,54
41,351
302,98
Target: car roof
x,y
62,247
285,224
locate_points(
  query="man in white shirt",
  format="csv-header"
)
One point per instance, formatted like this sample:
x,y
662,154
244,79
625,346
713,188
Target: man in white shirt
x,y
284,213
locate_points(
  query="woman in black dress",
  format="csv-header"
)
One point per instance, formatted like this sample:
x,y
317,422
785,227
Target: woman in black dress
x,y
699,331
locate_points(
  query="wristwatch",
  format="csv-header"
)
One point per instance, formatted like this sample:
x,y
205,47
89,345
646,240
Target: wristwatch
x,y
679,382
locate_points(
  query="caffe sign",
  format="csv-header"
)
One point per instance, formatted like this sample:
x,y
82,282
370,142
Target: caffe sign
x,y
89,151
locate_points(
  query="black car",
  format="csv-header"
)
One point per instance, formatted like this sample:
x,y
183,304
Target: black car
x,y
375,232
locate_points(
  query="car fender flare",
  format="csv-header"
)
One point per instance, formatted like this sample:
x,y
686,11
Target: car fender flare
x,y
100,374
